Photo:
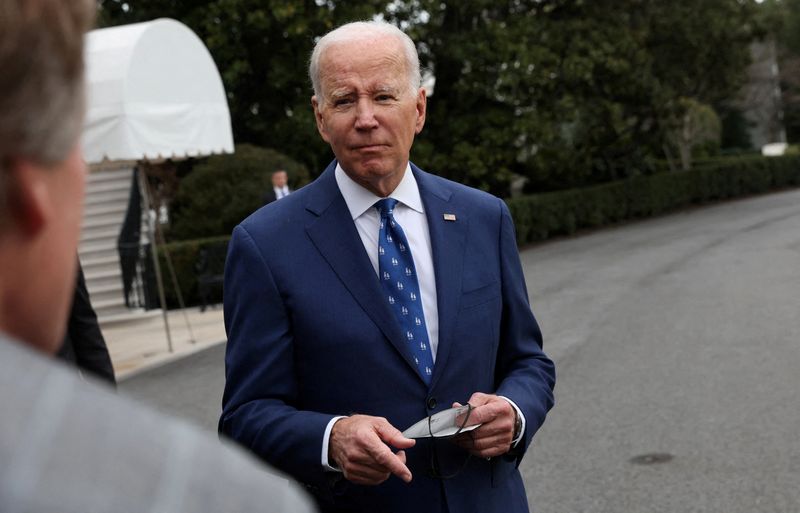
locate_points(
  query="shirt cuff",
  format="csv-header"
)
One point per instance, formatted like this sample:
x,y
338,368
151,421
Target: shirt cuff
x,y
326,438
521,435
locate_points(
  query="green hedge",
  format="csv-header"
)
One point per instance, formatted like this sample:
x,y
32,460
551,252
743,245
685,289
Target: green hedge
x,y
541,216
184,256
224,189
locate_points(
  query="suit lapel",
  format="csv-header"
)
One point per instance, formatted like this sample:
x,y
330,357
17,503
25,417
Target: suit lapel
x,y
448,238
335,236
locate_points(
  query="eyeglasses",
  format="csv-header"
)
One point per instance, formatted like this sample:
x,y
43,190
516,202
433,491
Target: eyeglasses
x,y
443,425
444,430
450,423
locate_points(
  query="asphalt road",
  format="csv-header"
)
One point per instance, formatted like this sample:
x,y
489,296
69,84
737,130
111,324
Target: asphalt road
x,y
677,345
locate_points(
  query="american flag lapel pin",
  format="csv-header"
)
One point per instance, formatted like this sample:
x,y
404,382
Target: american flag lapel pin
x,y
449,217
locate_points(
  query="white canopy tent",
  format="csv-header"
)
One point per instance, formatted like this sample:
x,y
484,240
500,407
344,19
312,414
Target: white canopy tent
x,y
154,93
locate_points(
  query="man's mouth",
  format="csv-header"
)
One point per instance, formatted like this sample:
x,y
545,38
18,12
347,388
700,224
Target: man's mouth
x,y
369,147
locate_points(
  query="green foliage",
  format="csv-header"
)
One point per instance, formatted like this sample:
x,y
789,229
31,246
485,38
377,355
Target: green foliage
x,y
780,20
541,216
568,93
183,255
696,133
219,193
563,92
735,133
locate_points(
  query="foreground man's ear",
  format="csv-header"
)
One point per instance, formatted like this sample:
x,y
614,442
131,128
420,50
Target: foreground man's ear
x,y
29,202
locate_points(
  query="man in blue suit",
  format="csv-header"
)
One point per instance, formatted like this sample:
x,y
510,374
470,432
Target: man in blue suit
x,y
392,295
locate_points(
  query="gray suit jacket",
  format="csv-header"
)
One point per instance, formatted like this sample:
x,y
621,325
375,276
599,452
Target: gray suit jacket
x,y
70,446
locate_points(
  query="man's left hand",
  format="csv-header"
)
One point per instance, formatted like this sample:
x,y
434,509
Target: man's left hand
x,y
494,436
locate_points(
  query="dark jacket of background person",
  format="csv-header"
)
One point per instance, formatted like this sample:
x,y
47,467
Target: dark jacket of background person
x,y
269,196
84,344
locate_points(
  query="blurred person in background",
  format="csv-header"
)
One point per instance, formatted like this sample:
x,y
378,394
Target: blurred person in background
x,y
280,187
84,344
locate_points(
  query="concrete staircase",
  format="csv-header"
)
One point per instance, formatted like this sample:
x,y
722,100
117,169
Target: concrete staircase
x,y
107,194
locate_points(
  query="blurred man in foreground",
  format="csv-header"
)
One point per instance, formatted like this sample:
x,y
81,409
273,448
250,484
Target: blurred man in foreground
x,y
66,445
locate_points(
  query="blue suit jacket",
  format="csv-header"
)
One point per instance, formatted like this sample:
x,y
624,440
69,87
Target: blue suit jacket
x,y
310,336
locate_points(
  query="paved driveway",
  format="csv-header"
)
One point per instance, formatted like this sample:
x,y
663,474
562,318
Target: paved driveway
x,y
677,344
675,339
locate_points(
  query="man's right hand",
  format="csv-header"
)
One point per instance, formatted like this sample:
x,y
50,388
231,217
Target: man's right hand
x,y
358,445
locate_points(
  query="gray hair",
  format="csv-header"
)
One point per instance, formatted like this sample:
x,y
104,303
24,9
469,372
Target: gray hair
x,y
361,31
42,81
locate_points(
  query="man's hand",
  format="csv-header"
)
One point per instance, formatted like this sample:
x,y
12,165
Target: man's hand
x,y
358,446
496,433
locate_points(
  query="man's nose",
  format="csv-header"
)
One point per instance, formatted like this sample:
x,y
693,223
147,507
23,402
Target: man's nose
x,y
365,115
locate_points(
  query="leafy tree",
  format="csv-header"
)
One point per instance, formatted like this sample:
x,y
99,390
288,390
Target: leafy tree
x,y
782,20
568,92
562,92
697,133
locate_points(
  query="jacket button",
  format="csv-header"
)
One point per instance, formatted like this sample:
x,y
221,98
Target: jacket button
x,y
431,403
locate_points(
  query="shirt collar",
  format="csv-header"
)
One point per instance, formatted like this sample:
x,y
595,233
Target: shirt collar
x,y
359,199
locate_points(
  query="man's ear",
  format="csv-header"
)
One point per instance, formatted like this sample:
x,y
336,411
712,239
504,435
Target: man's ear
x,y
318,117
29,197
422,106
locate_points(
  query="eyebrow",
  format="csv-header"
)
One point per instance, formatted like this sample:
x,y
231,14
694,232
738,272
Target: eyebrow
x,y
346,92
340,93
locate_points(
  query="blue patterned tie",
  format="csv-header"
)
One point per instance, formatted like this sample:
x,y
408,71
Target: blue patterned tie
x,y
398,278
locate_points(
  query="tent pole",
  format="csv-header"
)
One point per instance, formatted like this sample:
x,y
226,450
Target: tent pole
x,y
151,237
178,293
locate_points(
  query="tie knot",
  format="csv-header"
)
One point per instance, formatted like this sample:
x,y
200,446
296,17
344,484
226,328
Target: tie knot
x,y
386,206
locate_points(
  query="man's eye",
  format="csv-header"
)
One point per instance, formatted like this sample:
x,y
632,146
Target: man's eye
x,y
342,101
385,97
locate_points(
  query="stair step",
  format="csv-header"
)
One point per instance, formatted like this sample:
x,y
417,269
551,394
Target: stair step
x,y
117,174
95,222
100,286
102,187
99,261
109,266
100,234
98,253
100,209
115,197
106,304
107,293
97,250
112,287
99,275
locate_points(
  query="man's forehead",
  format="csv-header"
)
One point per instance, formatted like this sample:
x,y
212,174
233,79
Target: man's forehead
x,y
371,70
344,55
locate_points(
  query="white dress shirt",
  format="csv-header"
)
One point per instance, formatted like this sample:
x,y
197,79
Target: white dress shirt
x,y
410,215
281,192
